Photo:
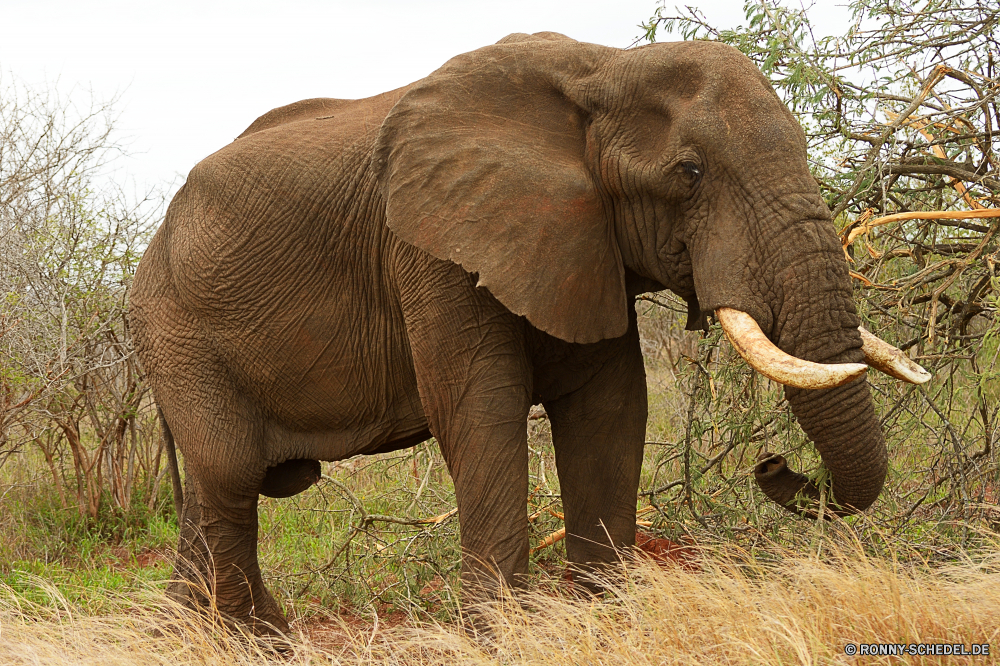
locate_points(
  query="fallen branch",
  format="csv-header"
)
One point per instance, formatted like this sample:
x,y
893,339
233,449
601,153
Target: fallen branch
x,y
859,276
555,537
560,534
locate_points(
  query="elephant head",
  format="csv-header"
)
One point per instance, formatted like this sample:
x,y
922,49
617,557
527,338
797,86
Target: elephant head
x,y
561,172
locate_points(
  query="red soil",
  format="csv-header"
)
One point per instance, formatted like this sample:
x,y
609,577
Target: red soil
x,y
665,551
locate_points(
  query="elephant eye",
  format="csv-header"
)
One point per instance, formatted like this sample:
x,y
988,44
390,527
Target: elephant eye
x,y
690,171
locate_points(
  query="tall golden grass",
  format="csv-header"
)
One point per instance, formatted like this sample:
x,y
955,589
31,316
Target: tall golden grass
x,y
728,609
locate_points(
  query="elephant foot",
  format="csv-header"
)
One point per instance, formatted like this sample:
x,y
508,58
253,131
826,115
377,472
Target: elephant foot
x,y
253,610
486,590
590,580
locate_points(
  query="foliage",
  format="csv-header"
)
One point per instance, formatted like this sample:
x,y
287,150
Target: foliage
x,y
375,532
901,117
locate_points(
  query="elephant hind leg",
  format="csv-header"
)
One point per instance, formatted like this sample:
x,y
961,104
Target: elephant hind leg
x,y
217,563
219,431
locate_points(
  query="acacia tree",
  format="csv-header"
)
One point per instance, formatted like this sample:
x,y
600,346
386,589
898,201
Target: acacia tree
x,y
902,122
69,381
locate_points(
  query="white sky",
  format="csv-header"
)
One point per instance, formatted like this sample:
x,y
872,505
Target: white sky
x,y
192,75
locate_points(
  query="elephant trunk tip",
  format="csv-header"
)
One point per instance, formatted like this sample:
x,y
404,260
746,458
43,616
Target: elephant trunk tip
x,y
795,491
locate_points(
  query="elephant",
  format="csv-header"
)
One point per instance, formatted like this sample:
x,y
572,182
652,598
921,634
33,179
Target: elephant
x,y
356,276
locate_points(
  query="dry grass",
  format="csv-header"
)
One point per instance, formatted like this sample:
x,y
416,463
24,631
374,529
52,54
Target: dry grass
x,y
731,610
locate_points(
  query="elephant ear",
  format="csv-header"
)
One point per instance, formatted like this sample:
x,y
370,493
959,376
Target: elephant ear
x,y
483,163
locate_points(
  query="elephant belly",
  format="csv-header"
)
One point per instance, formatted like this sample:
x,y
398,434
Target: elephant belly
x,y
333,382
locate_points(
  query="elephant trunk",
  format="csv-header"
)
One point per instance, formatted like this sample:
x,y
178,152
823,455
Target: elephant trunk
x,y
842,424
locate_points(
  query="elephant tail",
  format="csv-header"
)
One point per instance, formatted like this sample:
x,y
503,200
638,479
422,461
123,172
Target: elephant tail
x,y
175,473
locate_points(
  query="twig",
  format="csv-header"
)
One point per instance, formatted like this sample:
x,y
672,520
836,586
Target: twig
x,y
423,482
956,440
710,464
867,226
560,534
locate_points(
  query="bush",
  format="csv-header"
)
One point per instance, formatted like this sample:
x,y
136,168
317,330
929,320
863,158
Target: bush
x,y
70,385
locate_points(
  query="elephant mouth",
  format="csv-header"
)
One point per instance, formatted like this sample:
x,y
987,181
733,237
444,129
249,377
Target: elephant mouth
x,y
765,357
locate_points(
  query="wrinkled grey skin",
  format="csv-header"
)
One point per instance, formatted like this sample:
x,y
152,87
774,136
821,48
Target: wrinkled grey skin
x,y
353,276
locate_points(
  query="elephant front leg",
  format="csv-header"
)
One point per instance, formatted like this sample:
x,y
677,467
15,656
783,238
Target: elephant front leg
x,y
217,562
474,380
491,485
598,432
477,408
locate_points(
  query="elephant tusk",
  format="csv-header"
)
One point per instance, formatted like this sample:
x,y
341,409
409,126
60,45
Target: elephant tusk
x,y
892,361
764,357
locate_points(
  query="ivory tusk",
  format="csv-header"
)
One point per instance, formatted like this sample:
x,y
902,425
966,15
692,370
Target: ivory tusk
x,y
764,357
890,360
